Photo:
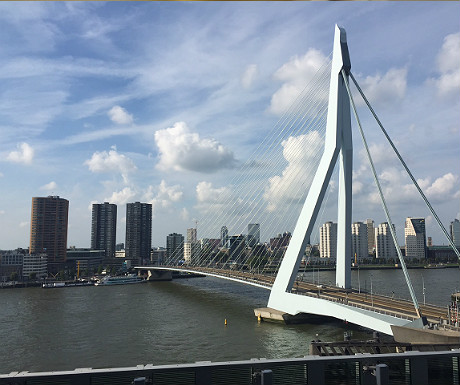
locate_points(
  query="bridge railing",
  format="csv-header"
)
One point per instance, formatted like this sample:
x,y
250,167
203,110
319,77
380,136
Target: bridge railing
x,y
396,368
356,304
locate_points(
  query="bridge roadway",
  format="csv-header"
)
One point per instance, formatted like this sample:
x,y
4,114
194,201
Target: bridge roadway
x,y
378,303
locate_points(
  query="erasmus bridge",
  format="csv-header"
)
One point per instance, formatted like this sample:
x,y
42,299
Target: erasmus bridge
x,y
288,185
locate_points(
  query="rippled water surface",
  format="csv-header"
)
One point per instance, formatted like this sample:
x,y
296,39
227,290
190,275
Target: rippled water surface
x,y
171,322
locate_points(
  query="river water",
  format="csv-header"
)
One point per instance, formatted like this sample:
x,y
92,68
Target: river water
x,y
173,322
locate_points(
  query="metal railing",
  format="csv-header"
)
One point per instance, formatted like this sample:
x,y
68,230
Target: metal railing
x,y
397,368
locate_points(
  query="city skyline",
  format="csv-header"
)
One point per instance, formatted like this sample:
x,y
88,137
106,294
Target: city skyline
x,y
96,110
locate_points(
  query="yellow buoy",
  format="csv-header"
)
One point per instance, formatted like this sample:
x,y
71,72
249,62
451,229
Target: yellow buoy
x,y
258,318
225,321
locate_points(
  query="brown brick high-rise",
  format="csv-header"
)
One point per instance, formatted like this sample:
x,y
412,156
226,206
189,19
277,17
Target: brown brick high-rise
x,y
48,227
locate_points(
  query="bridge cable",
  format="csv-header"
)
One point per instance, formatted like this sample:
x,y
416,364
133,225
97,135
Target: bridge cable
x,y
382,198
290,124
406,168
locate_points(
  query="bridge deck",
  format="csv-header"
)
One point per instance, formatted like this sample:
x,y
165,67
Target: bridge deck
x,y
378,303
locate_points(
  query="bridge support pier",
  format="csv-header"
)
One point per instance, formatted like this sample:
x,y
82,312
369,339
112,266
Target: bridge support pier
x,y
159,275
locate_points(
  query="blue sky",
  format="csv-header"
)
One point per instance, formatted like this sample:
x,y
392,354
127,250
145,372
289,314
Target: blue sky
x,y
160,102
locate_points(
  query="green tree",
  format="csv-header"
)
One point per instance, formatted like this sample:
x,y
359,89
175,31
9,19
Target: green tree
x,y
33,276
14,276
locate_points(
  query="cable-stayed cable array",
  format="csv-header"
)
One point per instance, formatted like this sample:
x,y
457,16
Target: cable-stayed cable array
x,y
269,188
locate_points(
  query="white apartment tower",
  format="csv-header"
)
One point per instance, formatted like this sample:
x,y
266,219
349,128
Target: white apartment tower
x,y
359,240
455,232
414,233
384,245
328,240
370,236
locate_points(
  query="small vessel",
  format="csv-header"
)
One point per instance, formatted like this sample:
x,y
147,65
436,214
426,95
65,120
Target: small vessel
x,y
120,280
54,285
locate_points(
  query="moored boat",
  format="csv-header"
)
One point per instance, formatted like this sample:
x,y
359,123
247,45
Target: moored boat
x,y
120,280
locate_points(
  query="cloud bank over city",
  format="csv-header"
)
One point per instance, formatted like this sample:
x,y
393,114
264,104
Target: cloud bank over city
x,y
165,103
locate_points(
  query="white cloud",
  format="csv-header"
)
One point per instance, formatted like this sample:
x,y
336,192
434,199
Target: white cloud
x,y
119,115
25,154
51,186
249,75
295,74
299,172
211,199
389,88
442,187
24,224
185,215
111,161
205,193
121,197
448,58
182,150
163,196
2,212
397,188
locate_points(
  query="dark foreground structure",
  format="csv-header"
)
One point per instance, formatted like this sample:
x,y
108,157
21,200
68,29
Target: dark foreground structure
x,y
398,368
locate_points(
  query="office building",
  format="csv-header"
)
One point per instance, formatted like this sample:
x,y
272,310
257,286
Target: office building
x,y
384,245
104,228
224,236
11,263
328,240
35,266
87,260
138,241
237,245
359,240
253,234
174,248
415,237
191,235
158,255
455,232
370,236
48,228
280,241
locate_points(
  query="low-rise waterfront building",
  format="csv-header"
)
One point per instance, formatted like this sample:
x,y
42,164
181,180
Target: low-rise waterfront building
x,y
88,259
11,263
35,265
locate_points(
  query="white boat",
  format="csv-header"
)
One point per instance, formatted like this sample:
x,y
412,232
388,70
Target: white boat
x,y
120,280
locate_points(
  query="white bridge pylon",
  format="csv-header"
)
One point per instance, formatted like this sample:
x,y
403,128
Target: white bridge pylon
x,y
338,147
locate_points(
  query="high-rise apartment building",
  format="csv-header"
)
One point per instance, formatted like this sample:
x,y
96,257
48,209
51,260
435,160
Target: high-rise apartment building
x,y
328,240
191,235
138,241
414,234
359,243
191,247
253,234
455,232
48,227
384,245
370,236
224,236
174,248
104,228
